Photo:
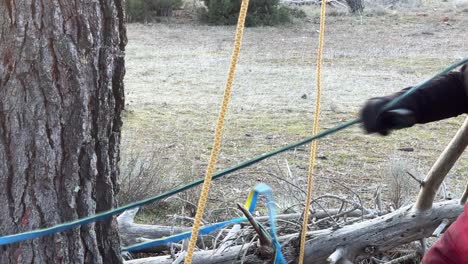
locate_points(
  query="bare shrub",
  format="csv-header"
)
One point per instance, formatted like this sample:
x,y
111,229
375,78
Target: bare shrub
x,y
146,173
148,10
401,187
142,175
397,3
337,12
376,10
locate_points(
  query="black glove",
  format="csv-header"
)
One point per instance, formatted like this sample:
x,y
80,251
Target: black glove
x,y
442,98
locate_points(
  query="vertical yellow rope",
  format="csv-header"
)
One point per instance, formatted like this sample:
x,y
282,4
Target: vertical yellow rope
x,y
313,148
218,133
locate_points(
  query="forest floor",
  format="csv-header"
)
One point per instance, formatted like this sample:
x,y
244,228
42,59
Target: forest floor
x,y
175,80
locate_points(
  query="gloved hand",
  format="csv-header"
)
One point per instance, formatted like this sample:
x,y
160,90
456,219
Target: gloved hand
x,y
444,97
375,120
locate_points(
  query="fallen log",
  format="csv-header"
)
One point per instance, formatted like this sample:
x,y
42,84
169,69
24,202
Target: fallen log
x,y
382,233
362,239
133,233
230,255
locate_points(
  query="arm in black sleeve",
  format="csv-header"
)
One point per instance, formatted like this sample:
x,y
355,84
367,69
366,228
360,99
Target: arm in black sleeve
x,y
444,97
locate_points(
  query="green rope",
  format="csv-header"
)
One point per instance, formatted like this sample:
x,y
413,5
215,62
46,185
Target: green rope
x,y
100,216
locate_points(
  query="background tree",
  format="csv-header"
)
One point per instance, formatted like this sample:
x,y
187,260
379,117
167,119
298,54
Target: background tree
x,y
260,12
355,6
61,97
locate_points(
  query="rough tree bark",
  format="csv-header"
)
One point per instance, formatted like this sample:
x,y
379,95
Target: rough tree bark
x,y
61,97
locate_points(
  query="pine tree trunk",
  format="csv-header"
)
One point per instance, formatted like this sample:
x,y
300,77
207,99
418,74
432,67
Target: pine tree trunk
x,y
61,97
355,6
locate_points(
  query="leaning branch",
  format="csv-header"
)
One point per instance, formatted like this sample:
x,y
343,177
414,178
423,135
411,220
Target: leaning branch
x,y
441,167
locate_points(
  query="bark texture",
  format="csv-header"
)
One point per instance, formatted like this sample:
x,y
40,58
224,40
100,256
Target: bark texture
x,y
61,97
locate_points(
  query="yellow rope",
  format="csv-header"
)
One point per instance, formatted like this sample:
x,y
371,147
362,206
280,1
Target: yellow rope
x,y
218,133
313,148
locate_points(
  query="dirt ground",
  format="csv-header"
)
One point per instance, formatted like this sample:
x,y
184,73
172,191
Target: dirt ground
x,y
175,79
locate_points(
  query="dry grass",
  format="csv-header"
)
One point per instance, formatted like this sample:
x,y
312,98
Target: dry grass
x,y
176,73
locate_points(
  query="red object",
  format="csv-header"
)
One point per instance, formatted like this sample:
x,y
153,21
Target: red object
x,y
452,247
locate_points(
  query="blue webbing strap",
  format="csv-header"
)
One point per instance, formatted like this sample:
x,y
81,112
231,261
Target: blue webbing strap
x,y
260,189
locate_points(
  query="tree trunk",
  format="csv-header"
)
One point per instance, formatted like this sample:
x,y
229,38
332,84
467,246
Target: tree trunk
x,y
61,97
355,6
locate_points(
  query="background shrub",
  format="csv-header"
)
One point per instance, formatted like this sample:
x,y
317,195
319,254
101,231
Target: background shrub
x,y
148,10
261,12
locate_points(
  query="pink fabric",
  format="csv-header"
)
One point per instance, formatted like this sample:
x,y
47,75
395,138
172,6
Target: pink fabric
x,y
452,247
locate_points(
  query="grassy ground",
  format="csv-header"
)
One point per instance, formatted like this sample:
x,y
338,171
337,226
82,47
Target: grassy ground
x,y
176,74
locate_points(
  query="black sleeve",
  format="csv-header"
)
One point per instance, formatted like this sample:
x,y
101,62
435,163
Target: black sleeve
x,y
442,98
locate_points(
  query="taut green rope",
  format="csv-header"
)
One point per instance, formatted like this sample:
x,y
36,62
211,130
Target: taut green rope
x,y
5,240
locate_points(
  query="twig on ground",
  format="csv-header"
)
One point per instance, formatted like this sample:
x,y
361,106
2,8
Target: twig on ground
x,y
404,258
336,216
338,256
423,243
247,249
446,193
185,218
349,189
228,241
325,210
378,198
288,222
180,258
336,197
440,228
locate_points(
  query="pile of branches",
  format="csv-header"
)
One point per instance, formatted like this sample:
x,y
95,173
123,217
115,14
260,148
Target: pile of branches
x,y
349,233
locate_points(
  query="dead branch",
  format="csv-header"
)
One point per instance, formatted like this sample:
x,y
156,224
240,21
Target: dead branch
x,y
230,255
264,240
420,182
228,239
423,243
338,256
440,228
464,196
180,258
132,233
378,199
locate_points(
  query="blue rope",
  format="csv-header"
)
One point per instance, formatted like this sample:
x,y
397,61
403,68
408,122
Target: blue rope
x,y
5,240
260,189
266,191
